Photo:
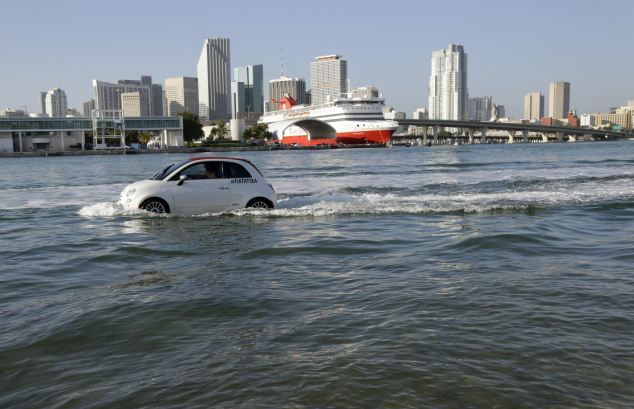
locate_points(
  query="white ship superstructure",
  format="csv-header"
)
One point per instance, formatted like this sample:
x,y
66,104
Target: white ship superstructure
x,y
342,120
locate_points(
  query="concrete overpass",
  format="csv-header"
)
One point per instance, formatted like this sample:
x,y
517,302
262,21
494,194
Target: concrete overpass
x,y
472,131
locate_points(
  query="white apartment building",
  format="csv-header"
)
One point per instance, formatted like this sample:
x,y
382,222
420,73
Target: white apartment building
x,y
328,78
214,80
295,87
533,106
55,103
181,95
448,93
559,100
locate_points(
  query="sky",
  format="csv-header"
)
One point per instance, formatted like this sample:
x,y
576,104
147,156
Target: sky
x,y
513,47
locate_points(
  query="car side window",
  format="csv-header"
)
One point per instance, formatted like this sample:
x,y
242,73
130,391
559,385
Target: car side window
x,y
235,170
195,172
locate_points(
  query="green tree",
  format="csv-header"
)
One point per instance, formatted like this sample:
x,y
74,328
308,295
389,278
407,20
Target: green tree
x,y
221,130
132,137
145,137
192,128
259,131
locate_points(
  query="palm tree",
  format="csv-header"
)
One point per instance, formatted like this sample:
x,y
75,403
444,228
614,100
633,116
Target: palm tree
x,y
145,138
221,130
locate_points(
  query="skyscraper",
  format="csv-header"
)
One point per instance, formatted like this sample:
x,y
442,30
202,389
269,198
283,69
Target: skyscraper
x,y
448,93
328,78
481,108
533,106
214,80
559,100
55,102
88,106
108,95
295,87
238,99
181,94
253,79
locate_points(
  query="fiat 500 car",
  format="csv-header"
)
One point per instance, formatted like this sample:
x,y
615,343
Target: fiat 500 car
x,y
199,185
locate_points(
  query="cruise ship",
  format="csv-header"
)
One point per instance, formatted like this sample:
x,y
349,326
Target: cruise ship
x,y
344,120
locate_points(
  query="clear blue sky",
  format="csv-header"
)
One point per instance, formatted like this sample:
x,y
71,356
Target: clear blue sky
x,y
514,47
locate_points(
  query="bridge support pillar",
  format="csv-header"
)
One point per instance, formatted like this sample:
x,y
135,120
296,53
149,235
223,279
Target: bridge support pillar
x,y
572,138
560,136
483,132
544,137
470,133
524,135
435,131
511,136
425,130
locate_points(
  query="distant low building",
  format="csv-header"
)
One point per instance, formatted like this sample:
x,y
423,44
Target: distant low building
x,y
587,120
420,113
13,113
391,113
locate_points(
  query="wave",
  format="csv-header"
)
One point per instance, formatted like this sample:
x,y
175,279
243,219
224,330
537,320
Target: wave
x,y
371,203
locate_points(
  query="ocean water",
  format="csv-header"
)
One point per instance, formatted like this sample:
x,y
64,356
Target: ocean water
x,y
461,276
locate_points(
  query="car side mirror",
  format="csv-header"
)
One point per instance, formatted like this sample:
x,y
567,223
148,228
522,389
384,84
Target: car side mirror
x,y
181,179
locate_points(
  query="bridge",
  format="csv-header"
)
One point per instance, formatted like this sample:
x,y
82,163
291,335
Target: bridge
x,y
472,131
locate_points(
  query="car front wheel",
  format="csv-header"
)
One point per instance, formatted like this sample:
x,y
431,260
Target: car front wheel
x,y
259,203
155,206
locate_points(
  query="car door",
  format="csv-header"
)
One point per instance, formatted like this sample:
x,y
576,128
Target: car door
x,y
200,192
242,183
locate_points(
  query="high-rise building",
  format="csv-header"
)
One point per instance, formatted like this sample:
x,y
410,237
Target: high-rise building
x,y
295,87
559,99
499,111
43,102
214,80
55,103
480,108
448,93
134,104
181,95
328,78
533,106
108,95
238,99
252,77
88,106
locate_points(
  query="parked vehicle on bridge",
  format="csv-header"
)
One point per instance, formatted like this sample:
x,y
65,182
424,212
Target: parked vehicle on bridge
x,y
200,185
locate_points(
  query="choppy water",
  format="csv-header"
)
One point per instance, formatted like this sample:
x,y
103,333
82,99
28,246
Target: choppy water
x,y
470,276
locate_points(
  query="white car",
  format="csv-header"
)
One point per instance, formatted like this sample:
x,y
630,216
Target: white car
x,y
200,185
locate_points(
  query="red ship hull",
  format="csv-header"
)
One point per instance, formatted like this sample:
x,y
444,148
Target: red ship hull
x,y
374,136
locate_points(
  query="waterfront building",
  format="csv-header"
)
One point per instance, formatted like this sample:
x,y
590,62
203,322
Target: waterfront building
x,y
135,104
420,113
328,78
365,92
448,93
181,95
533,106
623,120
214,80
559,99
587,120
13,113
69,133
88,107
480,108
295,87
55,103
252,76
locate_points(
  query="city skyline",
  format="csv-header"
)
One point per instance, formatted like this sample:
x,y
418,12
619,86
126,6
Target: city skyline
x,y
503,62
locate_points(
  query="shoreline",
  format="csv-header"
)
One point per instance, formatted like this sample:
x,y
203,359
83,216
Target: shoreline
x,y
172,150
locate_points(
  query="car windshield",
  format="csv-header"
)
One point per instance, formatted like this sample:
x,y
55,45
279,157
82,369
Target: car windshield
x,y
171,168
